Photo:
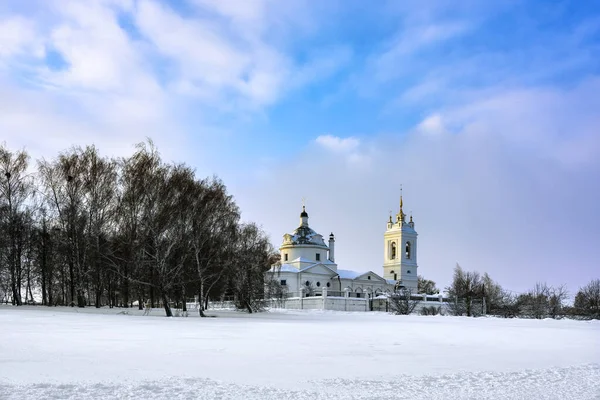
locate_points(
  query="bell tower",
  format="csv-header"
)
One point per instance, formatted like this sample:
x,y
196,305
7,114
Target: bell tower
x,y
400,250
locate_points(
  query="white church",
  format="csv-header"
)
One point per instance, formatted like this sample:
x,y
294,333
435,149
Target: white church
x,y
308,266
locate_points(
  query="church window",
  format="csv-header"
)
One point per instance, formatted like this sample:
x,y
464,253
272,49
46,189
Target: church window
x,y
407,250
318,256
408,272
369,277
318,284
393,251
285,257
395,277
283,282
307,283
328,284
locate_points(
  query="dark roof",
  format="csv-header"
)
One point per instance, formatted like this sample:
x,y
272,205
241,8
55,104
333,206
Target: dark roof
x,y
303,213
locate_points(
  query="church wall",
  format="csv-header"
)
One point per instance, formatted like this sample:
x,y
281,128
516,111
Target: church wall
x,y
307,252
294,281
366,286
345,304
315,279
327,303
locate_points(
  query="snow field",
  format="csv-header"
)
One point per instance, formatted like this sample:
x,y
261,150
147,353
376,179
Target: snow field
x,y
68,353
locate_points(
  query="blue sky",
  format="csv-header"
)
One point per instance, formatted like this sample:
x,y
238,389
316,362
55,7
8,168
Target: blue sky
x,y
487,112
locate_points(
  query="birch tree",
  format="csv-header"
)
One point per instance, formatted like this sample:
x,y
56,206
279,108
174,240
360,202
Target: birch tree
x,y
16,187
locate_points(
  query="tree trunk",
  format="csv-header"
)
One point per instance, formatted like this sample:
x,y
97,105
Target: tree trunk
x,y
152,305
43,267
166,304
201,304
49,288
72,282
140,301
98,298
19,276
16,292
125,290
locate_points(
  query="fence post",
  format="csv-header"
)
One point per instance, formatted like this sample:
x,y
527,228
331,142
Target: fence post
x,y
301,295
346,296
324,298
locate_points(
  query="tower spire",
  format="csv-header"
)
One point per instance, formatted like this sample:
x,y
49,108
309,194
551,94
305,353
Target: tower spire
x,y
401,203
401,216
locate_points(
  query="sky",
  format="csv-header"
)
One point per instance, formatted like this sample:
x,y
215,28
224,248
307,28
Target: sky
x,y
487,114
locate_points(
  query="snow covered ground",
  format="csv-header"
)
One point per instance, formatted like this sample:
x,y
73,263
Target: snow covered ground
x,y
64,353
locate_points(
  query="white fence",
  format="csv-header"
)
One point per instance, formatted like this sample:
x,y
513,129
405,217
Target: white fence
x,y
322,302
339,301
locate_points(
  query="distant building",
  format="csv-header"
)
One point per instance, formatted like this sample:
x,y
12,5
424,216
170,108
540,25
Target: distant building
x,y
400,251
308,264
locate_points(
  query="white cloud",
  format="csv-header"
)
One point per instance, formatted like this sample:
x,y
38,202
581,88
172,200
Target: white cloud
x,y
18,37
558,124
231,62
432,125
117,86
338,144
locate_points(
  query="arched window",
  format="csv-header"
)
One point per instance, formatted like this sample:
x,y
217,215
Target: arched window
x,y
318,284
307,283
407,250
393,251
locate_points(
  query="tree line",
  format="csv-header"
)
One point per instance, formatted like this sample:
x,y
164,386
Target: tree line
x,y
473,294
84,229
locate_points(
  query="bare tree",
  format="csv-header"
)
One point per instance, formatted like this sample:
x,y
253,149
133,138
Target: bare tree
x,y
63,186
128,248
542,301
92,230
254,256
275,291
214,224
587,300
558,296
402,303
506,305
309,289
99,177
16,186
466,286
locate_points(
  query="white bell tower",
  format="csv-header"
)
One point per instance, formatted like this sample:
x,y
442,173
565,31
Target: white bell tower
x,y
400,251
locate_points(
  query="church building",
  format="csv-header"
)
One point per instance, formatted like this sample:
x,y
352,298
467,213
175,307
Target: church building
x,y
400,251
308,264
